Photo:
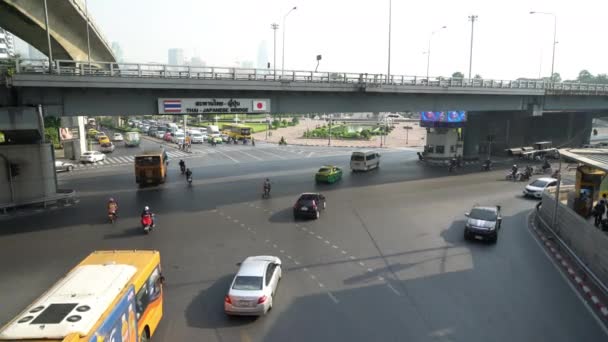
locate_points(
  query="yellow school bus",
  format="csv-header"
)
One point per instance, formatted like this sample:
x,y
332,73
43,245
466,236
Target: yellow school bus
x,y
151,167
109,296
237,131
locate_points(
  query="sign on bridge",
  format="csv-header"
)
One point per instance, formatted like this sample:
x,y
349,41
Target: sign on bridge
x,y
212,106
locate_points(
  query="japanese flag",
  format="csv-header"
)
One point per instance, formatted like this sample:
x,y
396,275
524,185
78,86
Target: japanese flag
x,y
260,105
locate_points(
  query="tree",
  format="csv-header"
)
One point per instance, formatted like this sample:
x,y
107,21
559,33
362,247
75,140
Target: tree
x,y
556,77
457,74
601,79
478,76
585,76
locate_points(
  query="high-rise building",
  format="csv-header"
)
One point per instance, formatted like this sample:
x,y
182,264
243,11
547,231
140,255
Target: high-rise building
x,y
263,55
176,57
197,61
33,53
117,52
7,44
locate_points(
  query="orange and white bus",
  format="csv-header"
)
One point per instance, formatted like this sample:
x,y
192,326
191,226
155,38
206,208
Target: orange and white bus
x,y
110,296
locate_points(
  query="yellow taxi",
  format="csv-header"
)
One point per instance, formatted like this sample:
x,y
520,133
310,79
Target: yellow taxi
x,y
103,139
92,132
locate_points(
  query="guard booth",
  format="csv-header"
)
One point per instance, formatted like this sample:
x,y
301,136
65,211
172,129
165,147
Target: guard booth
x,y
588,188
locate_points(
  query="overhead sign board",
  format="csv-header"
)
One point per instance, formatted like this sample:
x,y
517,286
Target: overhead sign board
x,y
212,106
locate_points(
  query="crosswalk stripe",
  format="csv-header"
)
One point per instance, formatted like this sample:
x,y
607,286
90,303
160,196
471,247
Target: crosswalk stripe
x,y
272,154
111,160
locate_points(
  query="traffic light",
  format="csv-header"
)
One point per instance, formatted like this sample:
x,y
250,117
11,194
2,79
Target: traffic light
x,y
15,169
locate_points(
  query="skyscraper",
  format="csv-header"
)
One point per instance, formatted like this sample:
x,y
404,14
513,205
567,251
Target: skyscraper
x,y
7,44
263,55
117,52
176,57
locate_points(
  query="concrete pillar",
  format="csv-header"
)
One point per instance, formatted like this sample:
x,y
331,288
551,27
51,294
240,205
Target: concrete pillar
x,y
472,136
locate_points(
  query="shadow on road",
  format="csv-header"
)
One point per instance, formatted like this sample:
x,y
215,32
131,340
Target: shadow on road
x,y
125,233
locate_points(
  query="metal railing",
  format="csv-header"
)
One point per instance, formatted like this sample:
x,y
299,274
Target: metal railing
x,y
138,70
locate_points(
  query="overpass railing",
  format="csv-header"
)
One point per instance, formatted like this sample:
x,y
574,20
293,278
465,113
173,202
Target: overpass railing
x,y
138,70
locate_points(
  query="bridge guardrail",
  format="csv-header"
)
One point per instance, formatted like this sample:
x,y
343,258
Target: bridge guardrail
x,y
138,70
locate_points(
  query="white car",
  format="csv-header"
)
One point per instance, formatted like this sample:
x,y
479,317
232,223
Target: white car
x,y
197,138
178,138
537,187
92,157
160,134
253,288
61,165
107,148
117,137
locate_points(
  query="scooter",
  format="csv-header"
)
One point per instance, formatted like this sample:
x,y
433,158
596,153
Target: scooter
x,y
189,180
146,223
112,216
266,193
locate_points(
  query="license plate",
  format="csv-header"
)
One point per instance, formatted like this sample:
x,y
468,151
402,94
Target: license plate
x,y
245,303
304,208
479,237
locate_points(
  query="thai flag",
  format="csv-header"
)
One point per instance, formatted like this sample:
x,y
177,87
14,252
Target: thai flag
x,y
173,106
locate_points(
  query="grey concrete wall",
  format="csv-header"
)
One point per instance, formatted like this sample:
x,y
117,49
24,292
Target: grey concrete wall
x,y
37,175
584,239
520,128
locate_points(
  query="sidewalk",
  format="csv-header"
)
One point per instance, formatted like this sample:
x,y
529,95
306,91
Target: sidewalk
x,y
416,137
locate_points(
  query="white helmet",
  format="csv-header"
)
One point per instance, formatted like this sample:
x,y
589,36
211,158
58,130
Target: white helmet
x,y
146,208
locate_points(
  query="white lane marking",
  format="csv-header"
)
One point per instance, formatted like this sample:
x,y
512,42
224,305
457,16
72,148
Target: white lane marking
x,y
250,155
289,257
381,278
334,246
227,156
304,229
576,292
332,297
310,154
296,262
272,154
319,237
312,276
305,269
273,245
321,285
282,251
361,264
267,241
242,225
235,221
344,252
393,289
327,242
352,257
370,270
311,232
111,160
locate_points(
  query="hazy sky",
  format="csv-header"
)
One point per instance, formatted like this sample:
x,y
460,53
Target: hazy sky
x,y
352,35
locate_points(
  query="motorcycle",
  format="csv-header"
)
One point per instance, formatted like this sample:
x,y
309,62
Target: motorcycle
x,y
266,193
146,223
189,180
112,216
182,169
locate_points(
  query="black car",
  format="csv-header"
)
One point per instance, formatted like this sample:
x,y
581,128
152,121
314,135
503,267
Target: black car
x,y
309,205
483,223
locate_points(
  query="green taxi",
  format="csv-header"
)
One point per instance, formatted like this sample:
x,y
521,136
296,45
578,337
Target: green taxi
x,y
328,174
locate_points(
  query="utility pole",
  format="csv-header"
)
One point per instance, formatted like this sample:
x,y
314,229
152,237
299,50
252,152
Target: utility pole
x,y
86,9
283,54
472,18
274,27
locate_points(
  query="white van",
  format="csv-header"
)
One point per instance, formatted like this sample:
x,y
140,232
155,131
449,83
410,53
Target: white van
x,y
363,161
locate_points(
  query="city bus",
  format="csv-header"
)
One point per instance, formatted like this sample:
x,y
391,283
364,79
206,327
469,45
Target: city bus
x,y
109,296
151,167
237,131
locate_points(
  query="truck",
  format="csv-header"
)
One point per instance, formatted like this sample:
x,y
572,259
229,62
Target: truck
x,y
213,131
131,139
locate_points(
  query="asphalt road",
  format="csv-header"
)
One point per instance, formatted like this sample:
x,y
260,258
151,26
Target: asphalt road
x,y
385,262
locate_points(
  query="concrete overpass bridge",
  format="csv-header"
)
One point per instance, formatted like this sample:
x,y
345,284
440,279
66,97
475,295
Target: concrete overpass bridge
x,y
68,28
71,88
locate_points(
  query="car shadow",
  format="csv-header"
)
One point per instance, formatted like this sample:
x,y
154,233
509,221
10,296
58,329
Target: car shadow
x,y
206,310
282,216
454,235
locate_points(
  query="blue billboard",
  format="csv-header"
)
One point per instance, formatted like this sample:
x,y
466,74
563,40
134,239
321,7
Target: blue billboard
x,y
455,119
120,325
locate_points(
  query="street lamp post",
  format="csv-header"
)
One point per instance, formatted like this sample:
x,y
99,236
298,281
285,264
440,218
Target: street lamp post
x,y
390,15
472,18
559,182
274,27
284,28
428,52
554,39
86,9
329,118
48,36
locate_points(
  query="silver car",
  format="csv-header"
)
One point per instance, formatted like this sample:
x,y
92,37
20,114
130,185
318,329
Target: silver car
x,y
483,223
63,166
253,288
